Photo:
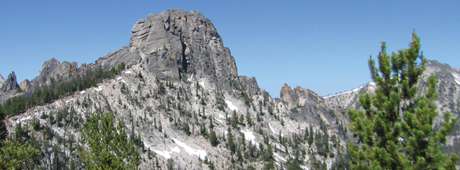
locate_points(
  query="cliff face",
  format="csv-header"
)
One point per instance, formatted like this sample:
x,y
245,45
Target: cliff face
x,y
8,87
177,43
179,79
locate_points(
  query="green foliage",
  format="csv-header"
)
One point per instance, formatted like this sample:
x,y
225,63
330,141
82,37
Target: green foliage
x,y
268,158
109,145
293,164
234,120
213,138
231,141
394,129
47,94
57,90
212,134
18,155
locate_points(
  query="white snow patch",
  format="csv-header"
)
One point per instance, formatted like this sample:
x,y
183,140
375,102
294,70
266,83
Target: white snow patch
x,y
457,78
202,84
278,157
190,78
249,135
98,89
220,120
355,90
23,119
83,92
451,140
372,83
58,131
128,72
231,106
119,78
197,152
142,55
272,129
167,154
304,167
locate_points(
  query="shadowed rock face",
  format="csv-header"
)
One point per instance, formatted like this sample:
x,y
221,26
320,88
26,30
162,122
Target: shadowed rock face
x,y
25,85
177,43
55,71
306,105
2,80
8,87
173,45
11,83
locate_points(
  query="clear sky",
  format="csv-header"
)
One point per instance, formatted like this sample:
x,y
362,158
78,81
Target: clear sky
x,y
321,45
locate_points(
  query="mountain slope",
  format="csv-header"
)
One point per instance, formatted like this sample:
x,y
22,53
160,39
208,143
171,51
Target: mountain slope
x,y
181,85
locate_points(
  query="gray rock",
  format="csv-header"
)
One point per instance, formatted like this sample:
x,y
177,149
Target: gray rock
x,y
25,85
11,83
55,71
249,84
2,80
176,44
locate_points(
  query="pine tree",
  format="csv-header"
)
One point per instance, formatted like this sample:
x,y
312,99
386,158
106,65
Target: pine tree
x,y
231,141
394,128
18,155
109,145
213,138
268,158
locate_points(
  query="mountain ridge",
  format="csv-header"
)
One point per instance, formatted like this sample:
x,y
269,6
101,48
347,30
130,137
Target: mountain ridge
x,y
181,79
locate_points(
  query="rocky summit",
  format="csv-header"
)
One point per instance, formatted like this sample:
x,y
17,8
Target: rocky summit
x,y
180,96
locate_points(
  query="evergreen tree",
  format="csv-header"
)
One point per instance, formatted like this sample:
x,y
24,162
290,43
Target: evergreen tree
x,y
394,128
109,145
231,141
18,155
293,164
268,158
213,138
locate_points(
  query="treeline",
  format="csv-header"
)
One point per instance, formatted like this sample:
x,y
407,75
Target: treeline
x,y
56,90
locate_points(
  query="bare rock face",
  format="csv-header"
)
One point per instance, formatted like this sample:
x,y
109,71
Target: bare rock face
x,y
287,96
299,97
55,71
25,85
448,97
2,80
176,44
9,87
11,83
348,99
249,84
124,55
306,105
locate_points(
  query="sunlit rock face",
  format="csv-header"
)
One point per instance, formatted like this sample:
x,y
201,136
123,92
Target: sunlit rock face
x,y
180,78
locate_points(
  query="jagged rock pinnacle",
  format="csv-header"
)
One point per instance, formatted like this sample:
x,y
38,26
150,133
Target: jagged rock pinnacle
x,y
10,83
175,43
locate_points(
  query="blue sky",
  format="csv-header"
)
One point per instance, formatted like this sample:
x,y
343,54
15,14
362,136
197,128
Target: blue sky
x,y
321,45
